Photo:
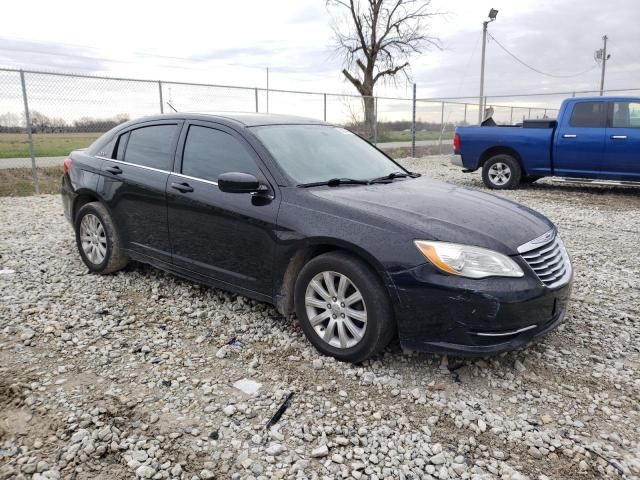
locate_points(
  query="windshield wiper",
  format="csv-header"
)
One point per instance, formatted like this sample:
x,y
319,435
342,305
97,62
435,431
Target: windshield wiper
x,y
394,175
334,182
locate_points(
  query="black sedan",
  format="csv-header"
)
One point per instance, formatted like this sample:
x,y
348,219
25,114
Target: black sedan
x,y
318,222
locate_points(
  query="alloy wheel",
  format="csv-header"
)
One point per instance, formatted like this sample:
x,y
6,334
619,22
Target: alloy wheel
x,y
336,309
499,173
93,239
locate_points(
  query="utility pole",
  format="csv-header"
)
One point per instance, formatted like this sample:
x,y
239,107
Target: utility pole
x,y
604,64
493,13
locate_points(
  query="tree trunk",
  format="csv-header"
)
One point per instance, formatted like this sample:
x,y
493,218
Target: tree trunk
x,y
369,116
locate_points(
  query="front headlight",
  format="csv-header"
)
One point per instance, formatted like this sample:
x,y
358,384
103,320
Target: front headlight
x,y
468,261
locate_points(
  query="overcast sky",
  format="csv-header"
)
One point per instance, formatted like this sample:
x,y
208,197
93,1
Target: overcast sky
x,y
233,42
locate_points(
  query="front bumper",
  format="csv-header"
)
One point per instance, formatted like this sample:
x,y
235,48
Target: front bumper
x,y
453,315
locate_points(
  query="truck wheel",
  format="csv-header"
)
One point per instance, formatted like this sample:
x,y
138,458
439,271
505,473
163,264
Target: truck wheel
x,y
501,172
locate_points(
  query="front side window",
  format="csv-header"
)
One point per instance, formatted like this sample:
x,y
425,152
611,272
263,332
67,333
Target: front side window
x,y
318,153
626,115
151,146
588,115
209,153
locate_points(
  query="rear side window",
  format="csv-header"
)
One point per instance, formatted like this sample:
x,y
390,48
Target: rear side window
x,y
107,150
151,146
588,115
626,115
209,153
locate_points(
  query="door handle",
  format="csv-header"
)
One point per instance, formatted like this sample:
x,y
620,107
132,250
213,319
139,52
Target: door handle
x,y
114,170
182,187
618,137
569,135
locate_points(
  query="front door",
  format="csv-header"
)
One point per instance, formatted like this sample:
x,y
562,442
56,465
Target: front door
x,y
622,142
229,237
579,143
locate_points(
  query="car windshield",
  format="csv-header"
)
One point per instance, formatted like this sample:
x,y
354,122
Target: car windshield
x,y
319,153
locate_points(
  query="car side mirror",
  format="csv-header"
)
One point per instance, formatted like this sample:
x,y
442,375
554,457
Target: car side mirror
x,y
236,182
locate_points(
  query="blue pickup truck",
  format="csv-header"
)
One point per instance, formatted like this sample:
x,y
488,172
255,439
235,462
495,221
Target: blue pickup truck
x,y
592,139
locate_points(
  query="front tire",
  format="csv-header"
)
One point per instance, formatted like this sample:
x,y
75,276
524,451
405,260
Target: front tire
x,y
343,307
501,172
98,240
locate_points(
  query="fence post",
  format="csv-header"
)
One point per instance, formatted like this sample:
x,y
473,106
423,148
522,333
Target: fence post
x,y
465,113
375,121
511,117
413,124
161,100
325,107
256,91
529,117
441,128
27,117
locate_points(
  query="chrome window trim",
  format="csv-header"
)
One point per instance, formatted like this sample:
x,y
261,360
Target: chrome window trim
x,y
133,164
157,170
211,182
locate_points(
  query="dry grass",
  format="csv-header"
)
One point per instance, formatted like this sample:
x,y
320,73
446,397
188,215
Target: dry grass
x,y
18,182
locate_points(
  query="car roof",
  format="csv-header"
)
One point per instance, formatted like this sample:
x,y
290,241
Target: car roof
x,y
239,118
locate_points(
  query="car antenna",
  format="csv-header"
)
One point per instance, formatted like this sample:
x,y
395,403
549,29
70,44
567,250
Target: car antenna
x,y
172,107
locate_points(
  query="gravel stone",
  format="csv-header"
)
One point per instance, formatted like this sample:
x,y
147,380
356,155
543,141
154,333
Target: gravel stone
x,y
321,451
128,375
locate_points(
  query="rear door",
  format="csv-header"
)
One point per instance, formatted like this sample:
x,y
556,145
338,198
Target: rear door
x,y
135,183
622,141
579,144
229,237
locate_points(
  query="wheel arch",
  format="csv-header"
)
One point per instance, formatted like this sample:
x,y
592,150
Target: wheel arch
x,y
311,248
498,150
84,196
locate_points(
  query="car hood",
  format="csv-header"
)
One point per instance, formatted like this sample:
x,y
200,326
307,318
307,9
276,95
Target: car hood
x,y
434,210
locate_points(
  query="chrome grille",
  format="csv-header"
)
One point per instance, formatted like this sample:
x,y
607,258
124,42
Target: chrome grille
x,y
550,262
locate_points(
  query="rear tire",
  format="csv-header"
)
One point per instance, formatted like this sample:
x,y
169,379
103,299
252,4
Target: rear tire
x,y
98,240
501,172
343,307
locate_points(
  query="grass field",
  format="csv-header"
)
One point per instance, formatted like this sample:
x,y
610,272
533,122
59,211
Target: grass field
x,y
14,145
402,136
18,182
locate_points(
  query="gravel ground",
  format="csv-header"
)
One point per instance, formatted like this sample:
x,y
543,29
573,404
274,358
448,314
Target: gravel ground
x,y
132,375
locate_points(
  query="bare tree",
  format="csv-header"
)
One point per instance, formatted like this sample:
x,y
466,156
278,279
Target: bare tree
x,y
376,39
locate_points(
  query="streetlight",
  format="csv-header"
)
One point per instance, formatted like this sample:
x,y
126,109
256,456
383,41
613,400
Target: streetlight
x,y
493,13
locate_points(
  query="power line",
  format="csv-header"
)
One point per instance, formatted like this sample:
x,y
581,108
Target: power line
x,y
522,62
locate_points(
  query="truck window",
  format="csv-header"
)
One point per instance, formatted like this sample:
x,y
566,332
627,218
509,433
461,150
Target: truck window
x,y
588,115
626,115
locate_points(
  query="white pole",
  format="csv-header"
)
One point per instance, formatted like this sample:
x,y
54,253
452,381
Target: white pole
x,y
484,46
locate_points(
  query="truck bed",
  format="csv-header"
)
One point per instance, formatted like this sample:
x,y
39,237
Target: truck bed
x,y
533,143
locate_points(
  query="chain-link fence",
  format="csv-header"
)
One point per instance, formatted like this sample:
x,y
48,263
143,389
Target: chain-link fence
x,y
44,116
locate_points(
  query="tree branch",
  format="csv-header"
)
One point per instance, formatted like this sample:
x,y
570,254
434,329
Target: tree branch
x,y
390,71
